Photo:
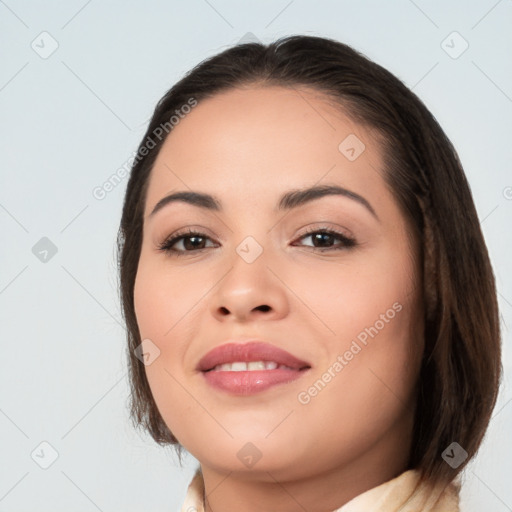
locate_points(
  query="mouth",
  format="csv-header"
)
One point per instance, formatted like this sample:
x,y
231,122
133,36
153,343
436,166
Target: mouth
x,y
248,368
251,366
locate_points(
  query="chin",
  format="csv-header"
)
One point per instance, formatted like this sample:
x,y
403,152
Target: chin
x,y
255,455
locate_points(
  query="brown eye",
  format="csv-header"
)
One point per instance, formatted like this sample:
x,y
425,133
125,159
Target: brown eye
x,y
190,241
325,238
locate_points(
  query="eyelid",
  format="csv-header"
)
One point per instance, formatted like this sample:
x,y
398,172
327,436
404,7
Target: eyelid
x,y
347,240
326,226
179,234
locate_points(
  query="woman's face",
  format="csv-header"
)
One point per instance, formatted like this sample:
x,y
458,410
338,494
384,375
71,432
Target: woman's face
x,y
344,304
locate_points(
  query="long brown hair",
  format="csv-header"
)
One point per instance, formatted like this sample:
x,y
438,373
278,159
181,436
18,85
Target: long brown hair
x,y
461,367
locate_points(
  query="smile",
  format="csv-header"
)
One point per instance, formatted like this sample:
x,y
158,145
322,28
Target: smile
x,y
249,368
241,366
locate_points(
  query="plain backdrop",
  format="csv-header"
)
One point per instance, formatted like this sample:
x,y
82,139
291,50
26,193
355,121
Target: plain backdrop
x,y
78,83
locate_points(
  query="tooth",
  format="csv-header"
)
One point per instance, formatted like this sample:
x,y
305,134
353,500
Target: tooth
x,y
241,366
256,365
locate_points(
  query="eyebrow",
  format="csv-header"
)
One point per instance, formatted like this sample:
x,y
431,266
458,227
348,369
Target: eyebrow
x,y
289,200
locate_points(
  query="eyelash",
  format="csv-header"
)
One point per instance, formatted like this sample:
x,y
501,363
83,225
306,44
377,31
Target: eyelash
x,y
166,245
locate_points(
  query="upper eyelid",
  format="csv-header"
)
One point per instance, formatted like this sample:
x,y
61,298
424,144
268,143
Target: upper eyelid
x,y
191,232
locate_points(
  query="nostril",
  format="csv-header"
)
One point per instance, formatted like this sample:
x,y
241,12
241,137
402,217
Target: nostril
x,y
263,308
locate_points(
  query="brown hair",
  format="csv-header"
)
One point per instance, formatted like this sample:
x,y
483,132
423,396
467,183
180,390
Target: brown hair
x,y
461,367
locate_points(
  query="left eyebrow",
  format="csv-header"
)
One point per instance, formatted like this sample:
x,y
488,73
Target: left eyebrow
x,y
295,198
289,200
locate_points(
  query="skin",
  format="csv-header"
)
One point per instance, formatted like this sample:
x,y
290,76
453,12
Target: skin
x,y
247,147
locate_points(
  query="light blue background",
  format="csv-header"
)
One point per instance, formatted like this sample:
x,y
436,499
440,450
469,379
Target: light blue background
x,y
69,121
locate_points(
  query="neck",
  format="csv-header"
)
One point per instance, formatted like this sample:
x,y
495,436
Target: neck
x,y
267,489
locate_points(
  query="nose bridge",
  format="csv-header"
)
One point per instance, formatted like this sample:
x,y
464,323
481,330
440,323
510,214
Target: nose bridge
x,y
247,278
249,286
250,233
250,249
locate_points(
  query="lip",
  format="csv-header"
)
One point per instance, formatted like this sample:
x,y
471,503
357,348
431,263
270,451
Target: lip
x,y
250,382
253,350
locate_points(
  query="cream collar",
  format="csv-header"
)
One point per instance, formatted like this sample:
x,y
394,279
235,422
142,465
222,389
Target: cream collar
x,y
387,497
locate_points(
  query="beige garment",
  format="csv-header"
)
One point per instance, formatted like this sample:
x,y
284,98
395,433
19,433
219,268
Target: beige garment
x,y
387,497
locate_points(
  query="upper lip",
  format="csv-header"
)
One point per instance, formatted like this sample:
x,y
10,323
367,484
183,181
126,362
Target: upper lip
x,y
253,350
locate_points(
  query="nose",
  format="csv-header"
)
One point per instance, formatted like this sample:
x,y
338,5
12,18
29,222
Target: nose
x,y
250,292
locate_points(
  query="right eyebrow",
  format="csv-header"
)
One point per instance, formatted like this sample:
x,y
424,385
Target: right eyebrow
x,y
194,198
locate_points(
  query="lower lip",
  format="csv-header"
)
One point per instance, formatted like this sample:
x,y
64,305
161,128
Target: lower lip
x,y
250,382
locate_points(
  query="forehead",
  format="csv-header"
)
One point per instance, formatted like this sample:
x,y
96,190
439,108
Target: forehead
x,y
259,141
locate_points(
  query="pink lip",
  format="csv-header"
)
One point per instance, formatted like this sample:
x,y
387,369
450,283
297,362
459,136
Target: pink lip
x,y
249,382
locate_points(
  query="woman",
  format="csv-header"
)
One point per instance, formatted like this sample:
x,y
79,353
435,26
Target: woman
x,y
310,306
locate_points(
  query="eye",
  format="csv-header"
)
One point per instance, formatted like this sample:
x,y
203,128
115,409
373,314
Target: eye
x,y
189,240
192,241
325,238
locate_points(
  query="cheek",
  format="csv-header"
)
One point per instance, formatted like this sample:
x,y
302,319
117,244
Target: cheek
x,y
375,345
363,290
366,389
164,303
166,307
